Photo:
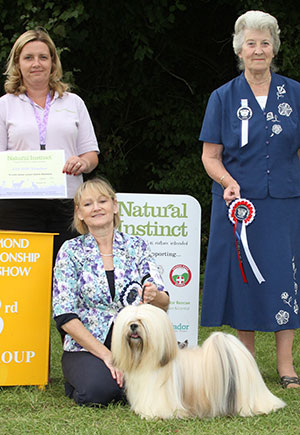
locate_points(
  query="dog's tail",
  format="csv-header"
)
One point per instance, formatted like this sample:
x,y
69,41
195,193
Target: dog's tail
x,y
232,381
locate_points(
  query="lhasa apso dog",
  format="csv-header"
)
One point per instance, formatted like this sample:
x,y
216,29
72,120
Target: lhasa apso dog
x,y
162,381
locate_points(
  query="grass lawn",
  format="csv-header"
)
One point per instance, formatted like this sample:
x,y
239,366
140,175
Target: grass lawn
x,y
27,410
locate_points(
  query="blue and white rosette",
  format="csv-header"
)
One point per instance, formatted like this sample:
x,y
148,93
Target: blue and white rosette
x,y
130,294
241,213
133,293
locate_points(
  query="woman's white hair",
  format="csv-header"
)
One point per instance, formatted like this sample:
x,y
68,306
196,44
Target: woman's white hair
x,y
255,20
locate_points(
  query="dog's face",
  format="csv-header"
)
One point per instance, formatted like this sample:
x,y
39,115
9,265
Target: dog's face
x,y
136,335
143,336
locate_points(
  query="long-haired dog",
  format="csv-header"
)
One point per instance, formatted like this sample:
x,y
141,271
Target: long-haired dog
x,y
162,381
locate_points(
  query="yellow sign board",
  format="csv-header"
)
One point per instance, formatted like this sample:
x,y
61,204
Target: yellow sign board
x,y
25,301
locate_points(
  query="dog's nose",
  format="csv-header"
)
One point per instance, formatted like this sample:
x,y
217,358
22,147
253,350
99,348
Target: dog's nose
x,y
133,327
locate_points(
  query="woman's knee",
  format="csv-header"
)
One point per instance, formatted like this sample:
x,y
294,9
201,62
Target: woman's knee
x,y
98,395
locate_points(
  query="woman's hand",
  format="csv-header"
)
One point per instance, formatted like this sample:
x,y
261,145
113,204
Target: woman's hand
x,y
150,292
75,165
84,163
231,192
155,297
116,374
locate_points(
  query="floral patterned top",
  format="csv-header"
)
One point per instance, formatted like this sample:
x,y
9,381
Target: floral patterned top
x,y
80,285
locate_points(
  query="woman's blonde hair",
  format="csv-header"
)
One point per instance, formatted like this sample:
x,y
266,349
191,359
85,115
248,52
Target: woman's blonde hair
x,y
255,20
14,82
101,187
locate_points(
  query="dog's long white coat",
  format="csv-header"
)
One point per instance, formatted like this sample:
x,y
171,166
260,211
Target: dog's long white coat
x,y
219,378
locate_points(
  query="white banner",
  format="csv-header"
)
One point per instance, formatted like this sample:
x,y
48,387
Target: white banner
x,y
171,224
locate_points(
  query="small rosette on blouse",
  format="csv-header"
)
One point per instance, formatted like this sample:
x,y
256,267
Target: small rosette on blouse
x,y
241,213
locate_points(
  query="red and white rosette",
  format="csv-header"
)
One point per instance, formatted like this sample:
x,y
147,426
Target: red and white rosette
x,y
241,213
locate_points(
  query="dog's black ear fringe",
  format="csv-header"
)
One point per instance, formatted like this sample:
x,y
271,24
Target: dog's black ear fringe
x,y
164,360
231,388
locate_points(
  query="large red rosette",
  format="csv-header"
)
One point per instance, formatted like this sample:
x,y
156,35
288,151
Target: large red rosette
x,y
241,213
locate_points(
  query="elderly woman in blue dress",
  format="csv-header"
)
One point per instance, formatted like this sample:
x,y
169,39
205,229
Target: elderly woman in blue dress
x,y
251,135
96,274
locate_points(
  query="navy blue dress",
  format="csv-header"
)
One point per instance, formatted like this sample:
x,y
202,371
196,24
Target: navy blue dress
x,y
267,169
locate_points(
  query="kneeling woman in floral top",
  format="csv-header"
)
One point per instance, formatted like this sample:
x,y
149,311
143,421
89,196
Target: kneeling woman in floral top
x,y
96,274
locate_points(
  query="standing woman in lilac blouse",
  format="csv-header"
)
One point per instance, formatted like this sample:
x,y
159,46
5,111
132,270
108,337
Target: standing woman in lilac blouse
x,y
95,276
251,136
39,113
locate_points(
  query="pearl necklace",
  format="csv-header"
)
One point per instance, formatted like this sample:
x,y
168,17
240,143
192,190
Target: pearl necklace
x,y
106,255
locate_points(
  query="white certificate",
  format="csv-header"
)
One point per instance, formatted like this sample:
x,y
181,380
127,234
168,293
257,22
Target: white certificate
x,y
32,174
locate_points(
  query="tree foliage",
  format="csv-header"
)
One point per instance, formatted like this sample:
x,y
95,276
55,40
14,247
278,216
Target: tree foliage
x,y
145,70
